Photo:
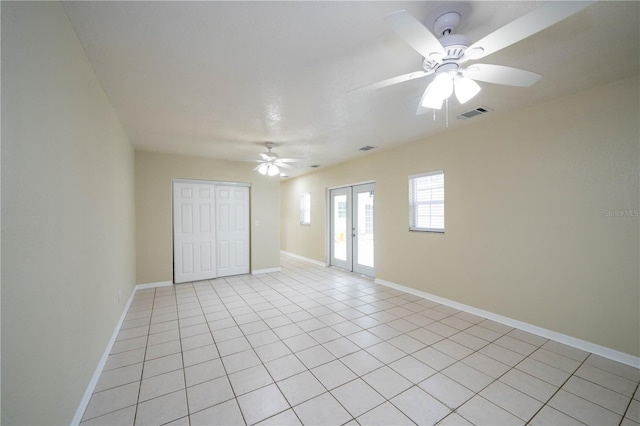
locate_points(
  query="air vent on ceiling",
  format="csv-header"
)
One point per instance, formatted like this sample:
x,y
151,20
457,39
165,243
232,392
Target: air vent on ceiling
x,y
314,166
474,112
367,148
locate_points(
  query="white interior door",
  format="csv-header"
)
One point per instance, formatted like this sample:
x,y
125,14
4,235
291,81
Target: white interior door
x,y
193,232
352,226
232,230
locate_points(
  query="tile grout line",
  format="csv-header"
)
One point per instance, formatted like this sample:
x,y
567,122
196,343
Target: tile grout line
x,y
235,396
624,416
144,356
184,372
556,392
178,318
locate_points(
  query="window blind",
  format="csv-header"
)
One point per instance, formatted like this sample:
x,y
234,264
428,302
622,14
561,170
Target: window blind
x,y
426,202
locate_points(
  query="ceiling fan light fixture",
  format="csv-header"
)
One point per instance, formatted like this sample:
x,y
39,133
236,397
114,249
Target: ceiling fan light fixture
x,y
267,169
439,90
273,170
443,85
465,89
429,100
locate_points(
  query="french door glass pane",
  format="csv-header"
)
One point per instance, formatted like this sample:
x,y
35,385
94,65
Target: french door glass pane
x,y
365,228
340,232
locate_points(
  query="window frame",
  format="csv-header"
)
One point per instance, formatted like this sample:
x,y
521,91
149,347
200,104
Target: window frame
x,y
413,203
305,208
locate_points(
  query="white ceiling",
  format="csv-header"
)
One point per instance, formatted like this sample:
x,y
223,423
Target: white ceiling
x,y
218,79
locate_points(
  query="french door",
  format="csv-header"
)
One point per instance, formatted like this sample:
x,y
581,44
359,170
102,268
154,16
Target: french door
x,y
352,219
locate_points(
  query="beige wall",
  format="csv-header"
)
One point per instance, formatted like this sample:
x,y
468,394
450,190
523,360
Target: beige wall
x,y
529,228
67,216
154,174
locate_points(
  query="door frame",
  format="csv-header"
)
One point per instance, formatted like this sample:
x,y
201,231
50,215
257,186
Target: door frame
x,y
346,264
213,183
328,216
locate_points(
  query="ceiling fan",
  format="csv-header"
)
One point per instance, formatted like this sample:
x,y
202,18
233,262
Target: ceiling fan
x,y
445,53
270,163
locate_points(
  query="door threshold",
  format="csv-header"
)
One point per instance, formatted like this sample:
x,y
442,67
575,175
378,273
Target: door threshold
x,y
351,272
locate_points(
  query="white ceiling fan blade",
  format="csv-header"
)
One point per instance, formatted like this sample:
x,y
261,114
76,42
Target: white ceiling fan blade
x,y
415,34
289,160
523,27
499,74
393,80
266,156
257,167
283,165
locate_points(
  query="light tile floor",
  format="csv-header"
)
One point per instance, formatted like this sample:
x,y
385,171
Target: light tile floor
x,y
312,345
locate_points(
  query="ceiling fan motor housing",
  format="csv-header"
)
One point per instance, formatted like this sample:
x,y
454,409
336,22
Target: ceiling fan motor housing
x,y
446,23
455,45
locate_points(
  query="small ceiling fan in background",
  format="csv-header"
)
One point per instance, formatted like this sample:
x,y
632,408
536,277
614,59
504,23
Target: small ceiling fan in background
x,y
444,56
270,163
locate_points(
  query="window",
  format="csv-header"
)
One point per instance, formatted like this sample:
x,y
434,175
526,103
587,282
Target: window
x,y
305,209
426,202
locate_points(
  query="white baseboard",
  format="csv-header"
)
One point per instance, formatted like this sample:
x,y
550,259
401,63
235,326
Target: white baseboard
x,y
306,259
603,351
154,285
265,271
77,418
